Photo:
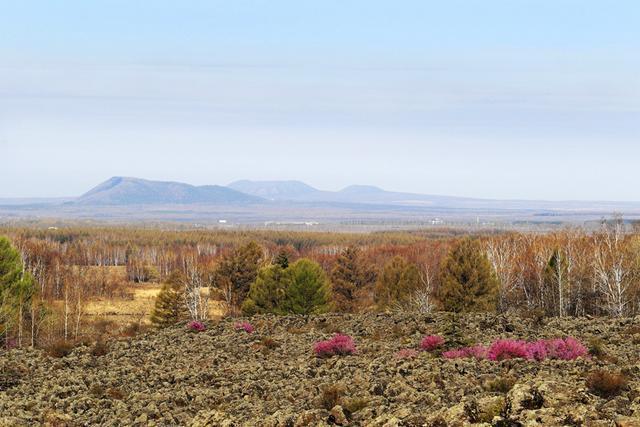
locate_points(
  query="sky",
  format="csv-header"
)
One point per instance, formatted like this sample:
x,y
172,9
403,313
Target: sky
x,y
507,99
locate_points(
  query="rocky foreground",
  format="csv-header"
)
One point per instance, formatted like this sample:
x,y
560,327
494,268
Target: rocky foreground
x,y
227,377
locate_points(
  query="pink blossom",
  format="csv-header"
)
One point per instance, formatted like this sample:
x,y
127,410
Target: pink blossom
x,y
244,326
196,326
537,350
459,353
508,349
431,342
338,345
475,352
565,349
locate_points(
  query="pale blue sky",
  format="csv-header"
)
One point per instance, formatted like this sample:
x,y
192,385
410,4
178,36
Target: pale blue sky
x,y
484,98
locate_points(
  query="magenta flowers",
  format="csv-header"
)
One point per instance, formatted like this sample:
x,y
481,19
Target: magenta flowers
x,y
431,342
244,326
196,326
559,348
339,345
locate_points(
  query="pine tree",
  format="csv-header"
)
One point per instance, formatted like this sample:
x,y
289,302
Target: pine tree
x,y
170,305
467,280
267,293
308,291
349,275
396,284
282,259
237,271
17,288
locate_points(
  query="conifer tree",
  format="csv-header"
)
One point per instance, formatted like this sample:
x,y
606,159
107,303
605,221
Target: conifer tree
x,y
170,305
349,275
309,291
17,287
396,284
301,288
282,259
467,280
268,292
237,271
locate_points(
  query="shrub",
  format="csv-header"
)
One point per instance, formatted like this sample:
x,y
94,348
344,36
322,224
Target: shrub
x,y
196,326
244,326
596,348
475,352
606,384
508,349
431,342
559,348
339,345
565,349
60,349
537,350
406,353
458,353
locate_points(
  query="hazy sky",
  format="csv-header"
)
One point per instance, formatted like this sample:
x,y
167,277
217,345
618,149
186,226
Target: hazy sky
x,y
534,99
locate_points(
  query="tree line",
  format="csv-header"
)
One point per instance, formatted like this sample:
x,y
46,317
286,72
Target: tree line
x,y
52,274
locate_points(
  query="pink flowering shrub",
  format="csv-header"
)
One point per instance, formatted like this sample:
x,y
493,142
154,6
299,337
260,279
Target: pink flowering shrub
x,y
431,342
537,350
475,352
565,349
196,326
406,353
244,326
559,348
458,353
339,345
508,349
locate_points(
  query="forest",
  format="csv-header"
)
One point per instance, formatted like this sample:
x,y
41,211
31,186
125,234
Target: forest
x,y
50,277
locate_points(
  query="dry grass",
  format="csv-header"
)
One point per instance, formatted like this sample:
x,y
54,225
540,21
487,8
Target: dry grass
x,y
122,312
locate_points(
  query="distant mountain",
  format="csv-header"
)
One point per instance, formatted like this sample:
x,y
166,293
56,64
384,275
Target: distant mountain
x,y
275,190
134,191
297,191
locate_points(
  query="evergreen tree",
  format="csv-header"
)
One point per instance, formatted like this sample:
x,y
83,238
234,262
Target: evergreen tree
x,y
170,305
309,291
282,259
237,271
467,280
349,275
396,284
17,288
268,293
301,288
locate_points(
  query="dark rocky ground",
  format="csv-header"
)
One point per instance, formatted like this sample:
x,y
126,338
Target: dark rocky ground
x,y
223,377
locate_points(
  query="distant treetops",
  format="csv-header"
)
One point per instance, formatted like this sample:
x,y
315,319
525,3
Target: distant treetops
x,y
250,285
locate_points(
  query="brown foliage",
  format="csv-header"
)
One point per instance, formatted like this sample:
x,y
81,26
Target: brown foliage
x,y
606,384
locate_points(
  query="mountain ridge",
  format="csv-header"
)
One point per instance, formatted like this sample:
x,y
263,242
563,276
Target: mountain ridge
x,y
120,190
